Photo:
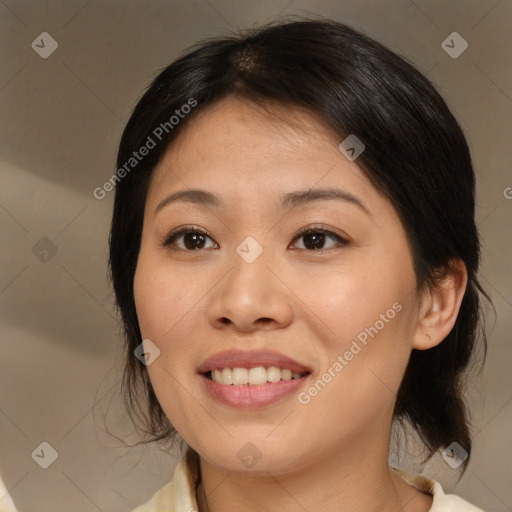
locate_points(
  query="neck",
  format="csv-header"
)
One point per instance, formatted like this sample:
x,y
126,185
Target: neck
x,y
356,476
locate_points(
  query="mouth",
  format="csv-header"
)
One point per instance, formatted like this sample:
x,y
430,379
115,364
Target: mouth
x,y
250,388
254,376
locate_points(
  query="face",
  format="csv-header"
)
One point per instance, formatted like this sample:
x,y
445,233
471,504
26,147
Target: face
x,y
339,301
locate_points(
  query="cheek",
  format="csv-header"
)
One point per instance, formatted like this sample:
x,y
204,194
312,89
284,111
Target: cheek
x,y
167,303
164,305
150,303
162,298
366,309
353,298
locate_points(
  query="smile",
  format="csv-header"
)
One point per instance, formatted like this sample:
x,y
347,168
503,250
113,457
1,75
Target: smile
x,y
256,376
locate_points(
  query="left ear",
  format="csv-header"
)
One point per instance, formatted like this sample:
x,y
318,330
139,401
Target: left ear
x,y
440,306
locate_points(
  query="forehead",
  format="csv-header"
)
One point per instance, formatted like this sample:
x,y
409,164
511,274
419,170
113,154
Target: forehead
x,y
238,149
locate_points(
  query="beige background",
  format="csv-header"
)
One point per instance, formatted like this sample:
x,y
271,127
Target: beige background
x,y
61,121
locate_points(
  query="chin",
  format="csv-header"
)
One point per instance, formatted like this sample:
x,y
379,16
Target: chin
x,y
255,459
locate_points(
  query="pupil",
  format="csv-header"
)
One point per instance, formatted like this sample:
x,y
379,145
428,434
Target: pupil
x,y
193,238
317,240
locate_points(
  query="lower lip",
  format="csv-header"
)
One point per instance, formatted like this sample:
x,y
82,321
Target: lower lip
x,y
247,396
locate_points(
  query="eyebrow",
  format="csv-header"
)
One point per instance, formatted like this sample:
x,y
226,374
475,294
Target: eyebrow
x,y
288,200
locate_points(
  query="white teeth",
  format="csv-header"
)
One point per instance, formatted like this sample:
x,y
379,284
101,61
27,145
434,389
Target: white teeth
x,y
254,376
227,376
257,376
240,376
286,375
273,374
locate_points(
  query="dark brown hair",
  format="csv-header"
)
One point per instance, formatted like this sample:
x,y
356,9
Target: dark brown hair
x,y
415,153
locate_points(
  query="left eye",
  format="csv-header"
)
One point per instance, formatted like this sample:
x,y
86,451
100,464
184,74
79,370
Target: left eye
x,y
315,238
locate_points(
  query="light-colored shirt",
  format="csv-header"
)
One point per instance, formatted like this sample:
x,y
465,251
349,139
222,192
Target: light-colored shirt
x,y
180,494
6,503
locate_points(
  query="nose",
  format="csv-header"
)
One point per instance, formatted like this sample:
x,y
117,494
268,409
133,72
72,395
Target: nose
x,y
250,297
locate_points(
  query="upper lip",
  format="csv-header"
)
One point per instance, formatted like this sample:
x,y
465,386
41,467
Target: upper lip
x,y
250,359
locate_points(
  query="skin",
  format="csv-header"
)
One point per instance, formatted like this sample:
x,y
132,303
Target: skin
x,y
307,304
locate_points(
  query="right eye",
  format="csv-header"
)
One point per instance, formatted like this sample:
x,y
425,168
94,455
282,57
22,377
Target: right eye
x,y
191,238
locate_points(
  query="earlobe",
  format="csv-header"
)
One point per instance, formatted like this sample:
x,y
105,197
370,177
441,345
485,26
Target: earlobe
x,y
440,307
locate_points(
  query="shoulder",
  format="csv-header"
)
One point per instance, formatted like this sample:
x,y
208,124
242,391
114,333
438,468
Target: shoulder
x,y
449,502
176,496
6,503
441,502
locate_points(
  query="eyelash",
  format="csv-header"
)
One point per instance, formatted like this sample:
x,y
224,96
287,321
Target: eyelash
x,y
304,231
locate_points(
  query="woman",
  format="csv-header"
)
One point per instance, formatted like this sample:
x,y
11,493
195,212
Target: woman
x,y
294,255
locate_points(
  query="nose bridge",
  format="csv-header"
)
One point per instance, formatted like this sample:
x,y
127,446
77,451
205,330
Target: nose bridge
x,y
249,274
250,250
249,291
